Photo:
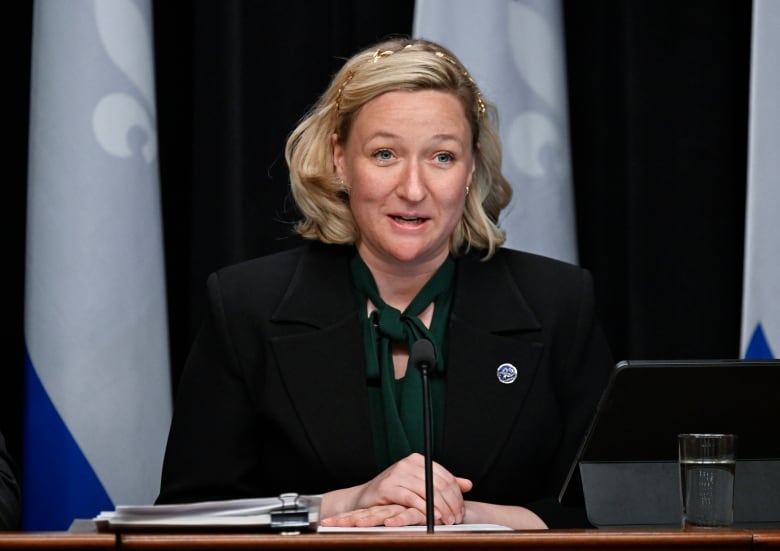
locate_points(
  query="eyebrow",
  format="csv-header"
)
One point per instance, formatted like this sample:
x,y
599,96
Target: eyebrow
x,y
435,137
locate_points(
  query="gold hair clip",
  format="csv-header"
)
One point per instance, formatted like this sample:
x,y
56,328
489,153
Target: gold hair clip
x,y
481,108
379,55
341,89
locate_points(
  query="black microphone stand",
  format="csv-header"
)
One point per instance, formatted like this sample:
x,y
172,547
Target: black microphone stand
x,y
424,358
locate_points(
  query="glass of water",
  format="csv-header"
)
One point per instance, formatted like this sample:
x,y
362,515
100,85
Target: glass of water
x,y
707,465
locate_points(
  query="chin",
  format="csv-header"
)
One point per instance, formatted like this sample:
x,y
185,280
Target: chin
x,y
411,257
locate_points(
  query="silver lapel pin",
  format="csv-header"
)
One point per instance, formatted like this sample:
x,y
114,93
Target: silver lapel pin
x,y
506,373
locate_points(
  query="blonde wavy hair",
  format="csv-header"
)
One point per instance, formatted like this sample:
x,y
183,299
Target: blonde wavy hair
x,y
396,64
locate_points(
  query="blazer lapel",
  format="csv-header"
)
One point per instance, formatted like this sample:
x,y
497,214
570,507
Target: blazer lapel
x,y
491,324
319,352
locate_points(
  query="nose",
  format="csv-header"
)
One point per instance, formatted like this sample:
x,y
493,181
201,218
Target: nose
x,y
412,184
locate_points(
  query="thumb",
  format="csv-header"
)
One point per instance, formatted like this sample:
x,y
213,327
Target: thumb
x,y
464,484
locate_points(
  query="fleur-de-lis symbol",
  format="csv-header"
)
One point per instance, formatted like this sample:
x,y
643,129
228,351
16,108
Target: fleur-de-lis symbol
x,y
532,131
125,35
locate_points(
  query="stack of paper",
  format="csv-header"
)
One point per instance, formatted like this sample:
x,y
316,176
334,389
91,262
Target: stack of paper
x,y
288,512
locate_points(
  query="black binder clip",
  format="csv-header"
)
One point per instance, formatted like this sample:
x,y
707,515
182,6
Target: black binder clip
x,y
292,515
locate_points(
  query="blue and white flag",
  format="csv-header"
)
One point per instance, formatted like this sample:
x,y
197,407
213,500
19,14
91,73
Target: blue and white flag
x,y
97,393
761,299
514,49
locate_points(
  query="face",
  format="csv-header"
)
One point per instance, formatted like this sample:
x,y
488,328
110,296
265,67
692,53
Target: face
x,y
407,163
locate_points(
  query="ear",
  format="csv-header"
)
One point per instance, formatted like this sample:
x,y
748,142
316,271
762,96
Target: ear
x,y
473,166
338,155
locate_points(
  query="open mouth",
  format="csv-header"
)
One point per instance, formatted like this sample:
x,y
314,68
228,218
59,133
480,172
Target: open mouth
x,y
406,220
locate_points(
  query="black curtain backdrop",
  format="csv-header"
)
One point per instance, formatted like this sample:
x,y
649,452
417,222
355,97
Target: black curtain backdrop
x,y
658,107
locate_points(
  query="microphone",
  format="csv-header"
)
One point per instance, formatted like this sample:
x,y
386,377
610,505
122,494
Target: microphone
x,y
423,357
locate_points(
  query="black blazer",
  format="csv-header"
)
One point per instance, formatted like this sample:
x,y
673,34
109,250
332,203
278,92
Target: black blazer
x,y
10,509
273,397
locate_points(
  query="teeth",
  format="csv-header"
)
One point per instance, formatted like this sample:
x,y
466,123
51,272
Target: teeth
x,y
412,220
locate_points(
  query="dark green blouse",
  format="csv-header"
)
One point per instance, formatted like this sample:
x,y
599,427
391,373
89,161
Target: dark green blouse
x,y
396,405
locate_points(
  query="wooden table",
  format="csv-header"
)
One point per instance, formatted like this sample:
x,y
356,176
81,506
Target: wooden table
x,y
526,540
57,540
546,540
766,539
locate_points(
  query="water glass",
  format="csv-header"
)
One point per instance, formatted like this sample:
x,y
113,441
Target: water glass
x,y
707,465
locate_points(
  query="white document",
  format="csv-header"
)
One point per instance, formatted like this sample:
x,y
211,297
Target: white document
x,y
441,528
286,512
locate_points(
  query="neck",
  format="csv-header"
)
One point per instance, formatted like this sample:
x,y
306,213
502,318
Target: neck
x,y
397,291
399,283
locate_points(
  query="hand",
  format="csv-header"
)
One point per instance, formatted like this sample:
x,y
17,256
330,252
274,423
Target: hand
x,y
379,515
515,517
403,483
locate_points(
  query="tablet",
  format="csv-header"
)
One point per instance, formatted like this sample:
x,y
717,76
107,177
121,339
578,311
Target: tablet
x,y
630,448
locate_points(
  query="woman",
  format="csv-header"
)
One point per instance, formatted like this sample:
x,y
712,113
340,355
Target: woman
x,y
298,380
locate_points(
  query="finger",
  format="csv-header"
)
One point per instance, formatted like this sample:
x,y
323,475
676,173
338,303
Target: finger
x,y
378,516
408,517
465,484
371,516
342,520
448,497
408,492
403,483
350,518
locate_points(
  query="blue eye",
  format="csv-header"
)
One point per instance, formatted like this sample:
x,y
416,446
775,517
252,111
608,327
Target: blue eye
x,y
384,155
444,157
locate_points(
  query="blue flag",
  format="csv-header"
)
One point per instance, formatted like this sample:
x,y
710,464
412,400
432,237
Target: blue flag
x,y
514,49
761,297
97,392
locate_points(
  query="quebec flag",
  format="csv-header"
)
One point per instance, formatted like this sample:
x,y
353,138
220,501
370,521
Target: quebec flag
x,y
97,382
761,299
514,49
